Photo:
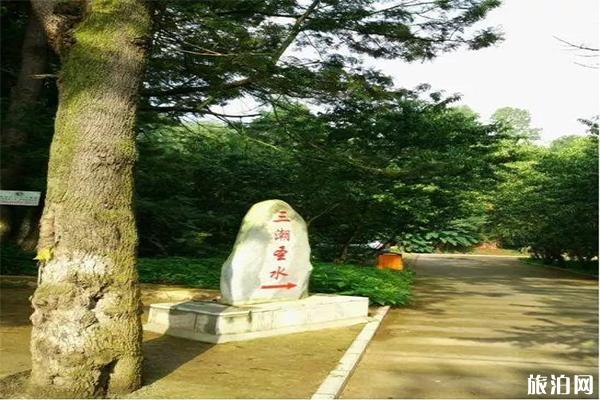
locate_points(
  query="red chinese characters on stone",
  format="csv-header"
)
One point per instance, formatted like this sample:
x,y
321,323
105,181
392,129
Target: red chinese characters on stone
x,y
279,272
280,253
282,216
282,234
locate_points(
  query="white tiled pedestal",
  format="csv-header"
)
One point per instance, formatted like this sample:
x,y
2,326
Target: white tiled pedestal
x,y
218,323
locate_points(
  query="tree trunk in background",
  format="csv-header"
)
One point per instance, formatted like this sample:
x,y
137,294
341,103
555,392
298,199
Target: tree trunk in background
x,y
29,229
346,246
23,99
86,338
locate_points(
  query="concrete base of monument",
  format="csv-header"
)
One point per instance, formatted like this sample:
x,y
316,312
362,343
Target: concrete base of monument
x,y
219,323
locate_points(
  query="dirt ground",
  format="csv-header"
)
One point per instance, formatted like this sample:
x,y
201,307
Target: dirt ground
x,y
289,366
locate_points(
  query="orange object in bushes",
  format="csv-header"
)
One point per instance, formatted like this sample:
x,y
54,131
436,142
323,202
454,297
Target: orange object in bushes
x,y
390,261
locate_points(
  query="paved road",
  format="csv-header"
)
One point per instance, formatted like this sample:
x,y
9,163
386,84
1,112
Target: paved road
x,y
478,327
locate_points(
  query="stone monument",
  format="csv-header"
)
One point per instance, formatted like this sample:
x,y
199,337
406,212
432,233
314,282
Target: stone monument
x,y
270,260
264,287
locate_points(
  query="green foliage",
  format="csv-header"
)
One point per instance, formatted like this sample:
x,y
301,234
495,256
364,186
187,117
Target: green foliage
x,y
585,267
202,273
195,184
460,235
411,167
393,166
592,124
516,123
381,286
208,52
418,243
549,201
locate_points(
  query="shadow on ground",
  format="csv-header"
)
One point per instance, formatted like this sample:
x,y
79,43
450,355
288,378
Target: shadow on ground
x,y
165,354
477,327
563,305
288,366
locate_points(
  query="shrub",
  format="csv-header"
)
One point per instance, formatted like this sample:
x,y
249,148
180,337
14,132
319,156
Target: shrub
x,y
383,287
195,272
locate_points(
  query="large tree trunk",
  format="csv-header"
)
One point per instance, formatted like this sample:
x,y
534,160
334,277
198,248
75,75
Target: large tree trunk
x,y
86,338
23,99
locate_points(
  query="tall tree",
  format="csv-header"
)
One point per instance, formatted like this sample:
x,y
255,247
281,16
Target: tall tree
x,y
516,123
367,169
86,338
23,102
549,202
209,52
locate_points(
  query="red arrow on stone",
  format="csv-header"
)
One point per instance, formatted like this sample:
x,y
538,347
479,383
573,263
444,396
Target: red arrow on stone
x,y
288,285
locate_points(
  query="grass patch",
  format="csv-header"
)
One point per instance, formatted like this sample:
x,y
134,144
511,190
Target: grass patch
x,y
193,272
382,287
590,268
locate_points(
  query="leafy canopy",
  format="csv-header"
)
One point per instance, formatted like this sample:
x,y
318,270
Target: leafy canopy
x,y
208,52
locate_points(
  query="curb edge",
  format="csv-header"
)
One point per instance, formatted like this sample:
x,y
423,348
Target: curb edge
x,y
335,382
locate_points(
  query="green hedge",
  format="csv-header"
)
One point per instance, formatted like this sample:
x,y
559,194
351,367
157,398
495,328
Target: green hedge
x,y
589,267
383,287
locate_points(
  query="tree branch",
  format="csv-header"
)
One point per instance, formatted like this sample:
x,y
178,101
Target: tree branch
x,y
296,29
181,90
44,76
576,46
326,211
149,92
194,110
166,109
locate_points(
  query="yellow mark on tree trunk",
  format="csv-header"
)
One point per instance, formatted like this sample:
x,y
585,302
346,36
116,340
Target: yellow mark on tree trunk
x,y
44,254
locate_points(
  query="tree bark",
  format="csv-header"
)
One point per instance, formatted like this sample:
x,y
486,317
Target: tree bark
x,y
29,229
346,246
86,337
23,99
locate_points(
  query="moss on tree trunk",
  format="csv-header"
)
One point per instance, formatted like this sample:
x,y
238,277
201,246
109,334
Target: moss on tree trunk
x,y
86,338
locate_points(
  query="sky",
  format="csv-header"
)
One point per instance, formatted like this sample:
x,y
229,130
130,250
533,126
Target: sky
x,y
530,69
